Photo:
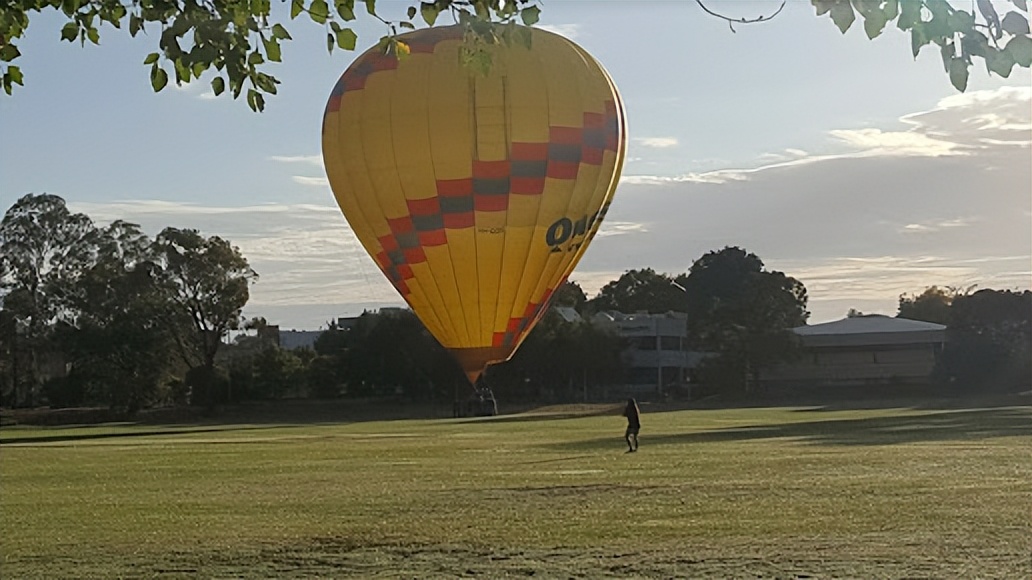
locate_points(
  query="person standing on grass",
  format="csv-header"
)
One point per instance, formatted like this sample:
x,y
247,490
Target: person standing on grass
x,y
633,425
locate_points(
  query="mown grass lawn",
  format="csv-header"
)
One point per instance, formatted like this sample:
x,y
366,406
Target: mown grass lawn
x,y
771,493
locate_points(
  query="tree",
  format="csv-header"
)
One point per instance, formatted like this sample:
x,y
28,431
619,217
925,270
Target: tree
x,y
237,38
932,305
208,282
990,340
641,291
44,249
743,313
570,294
119,348
567,359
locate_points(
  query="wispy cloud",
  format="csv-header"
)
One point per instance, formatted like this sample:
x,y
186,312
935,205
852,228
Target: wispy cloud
x,y
311,181
657,142
316,160
875,142
932,226
571,31
614,228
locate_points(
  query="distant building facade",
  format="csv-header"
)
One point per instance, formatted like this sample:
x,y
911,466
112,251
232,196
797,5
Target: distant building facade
x,y
289,339
657,356
863,350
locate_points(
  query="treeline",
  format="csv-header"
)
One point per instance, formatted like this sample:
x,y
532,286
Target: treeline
x,y
989,335
109,316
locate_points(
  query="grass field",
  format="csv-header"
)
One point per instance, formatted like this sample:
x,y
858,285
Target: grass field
x,y
741,493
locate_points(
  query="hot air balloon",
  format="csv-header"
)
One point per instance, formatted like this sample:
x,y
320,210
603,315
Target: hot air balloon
x,y
475,193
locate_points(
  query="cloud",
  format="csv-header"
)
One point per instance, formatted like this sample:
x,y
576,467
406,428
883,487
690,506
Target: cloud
x,y
311,181
613,228
888,214
943,202
571,31
657,142
876,142
936,225
316,160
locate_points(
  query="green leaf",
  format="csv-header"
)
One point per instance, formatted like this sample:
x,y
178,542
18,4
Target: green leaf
x,y
975,44
319,11
823,6
917,38
959,73
329,42
346,39
530,15
429,12
961,21
992,19
296,7
15,74
524,36
1021,4
346,9
874,23
370,6
93,34
272,49
842,15
135,24
279,32
183,71
69,31
1020,47
909,14
255,58
1015,23
407,25
158,78
266,83
151,58
999,61
411,12
218,85
9,52
891,10
948,52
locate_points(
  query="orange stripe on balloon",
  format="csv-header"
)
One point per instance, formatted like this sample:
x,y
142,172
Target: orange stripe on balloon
x,y
401,225
433,238
564,135
456,221
490,169
529,151
562,170
527,185
491,202
455,187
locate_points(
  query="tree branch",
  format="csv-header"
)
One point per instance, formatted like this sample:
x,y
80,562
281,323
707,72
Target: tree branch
x,y
732,21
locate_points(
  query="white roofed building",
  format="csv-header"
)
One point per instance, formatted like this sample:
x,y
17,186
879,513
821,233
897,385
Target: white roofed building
x,y
863,350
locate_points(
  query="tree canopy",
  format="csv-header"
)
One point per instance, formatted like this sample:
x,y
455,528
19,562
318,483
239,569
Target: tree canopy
x,y
238,38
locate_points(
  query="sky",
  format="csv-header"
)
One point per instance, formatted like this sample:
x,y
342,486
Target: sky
x,y
841,161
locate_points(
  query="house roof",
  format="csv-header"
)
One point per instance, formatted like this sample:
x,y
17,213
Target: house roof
x,y
868,323
871,330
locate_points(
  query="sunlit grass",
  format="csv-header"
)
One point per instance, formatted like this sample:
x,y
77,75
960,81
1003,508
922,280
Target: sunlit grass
x,y
769,492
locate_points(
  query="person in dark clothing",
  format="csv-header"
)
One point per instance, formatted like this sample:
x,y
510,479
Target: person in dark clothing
x,y
633,425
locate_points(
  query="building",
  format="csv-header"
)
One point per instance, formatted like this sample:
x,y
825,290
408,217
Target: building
x,y
657,356
289,339
863,350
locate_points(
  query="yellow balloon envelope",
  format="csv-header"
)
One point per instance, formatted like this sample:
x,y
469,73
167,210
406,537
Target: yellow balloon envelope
x,y
475,194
